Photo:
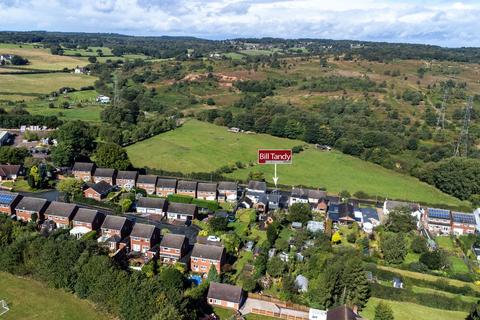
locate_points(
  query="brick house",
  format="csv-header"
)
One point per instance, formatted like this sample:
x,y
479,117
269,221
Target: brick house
x,y
126,179
227,191
173,248
98,191
144,237
31,209
438,221
207,191
225,295
86,220
11,172
463,223
181,211
152,206
187,188
204,256
113,230
147,183
83,171
166,187
103,174
8,202
61,213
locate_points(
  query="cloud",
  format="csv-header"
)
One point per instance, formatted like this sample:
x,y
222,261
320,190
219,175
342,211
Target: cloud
x,y
448,23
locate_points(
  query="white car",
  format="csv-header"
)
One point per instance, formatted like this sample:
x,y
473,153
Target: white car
x,y
213,238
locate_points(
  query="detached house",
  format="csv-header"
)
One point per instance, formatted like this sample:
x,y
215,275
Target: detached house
x,y
31,209
114,229
166,187
83,171
127,179
152,206
342,213
204,256
8,202
225,295
181,211
107,175
207,191
61,213
147,183
187,188
173,248
86,220
10,172
143,238
98,191
300,195
227,191
438,221
463,223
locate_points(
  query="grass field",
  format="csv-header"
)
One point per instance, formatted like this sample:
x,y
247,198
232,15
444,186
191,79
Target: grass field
x,y
203,147
41,58
29,85
30,300
408,311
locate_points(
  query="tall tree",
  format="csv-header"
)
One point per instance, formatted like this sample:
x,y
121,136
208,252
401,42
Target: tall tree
x,y
383,312
394,247
110,155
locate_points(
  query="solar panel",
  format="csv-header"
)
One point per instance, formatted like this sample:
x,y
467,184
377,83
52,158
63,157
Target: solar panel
x,y
6,198
438,213
461,217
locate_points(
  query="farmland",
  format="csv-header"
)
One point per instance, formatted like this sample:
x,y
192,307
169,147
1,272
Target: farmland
x,y
41,58
29,299
202,147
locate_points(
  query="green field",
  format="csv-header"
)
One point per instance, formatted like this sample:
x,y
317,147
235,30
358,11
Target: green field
x,y
41,58
30,300
29,86
408,311
203,147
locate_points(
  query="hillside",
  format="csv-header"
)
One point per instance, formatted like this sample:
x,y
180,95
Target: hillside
x,y
202,147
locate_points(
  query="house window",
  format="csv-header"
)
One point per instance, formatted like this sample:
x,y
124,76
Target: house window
x,y
177,250
195,259
204,260
136,247
204,268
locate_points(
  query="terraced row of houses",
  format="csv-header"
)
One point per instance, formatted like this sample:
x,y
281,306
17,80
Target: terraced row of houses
x,y
100,179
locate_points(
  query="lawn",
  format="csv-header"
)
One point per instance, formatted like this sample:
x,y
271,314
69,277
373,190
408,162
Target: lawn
x,y
41,58
407,311
29,299
446,243
203,147
225,314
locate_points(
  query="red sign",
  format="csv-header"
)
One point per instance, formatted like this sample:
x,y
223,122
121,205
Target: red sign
x,y
274,156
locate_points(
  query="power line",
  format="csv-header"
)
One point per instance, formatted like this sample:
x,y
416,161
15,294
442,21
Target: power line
x,y
461,149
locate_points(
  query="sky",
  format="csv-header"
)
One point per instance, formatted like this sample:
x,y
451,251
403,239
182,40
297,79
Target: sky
x,y
439,22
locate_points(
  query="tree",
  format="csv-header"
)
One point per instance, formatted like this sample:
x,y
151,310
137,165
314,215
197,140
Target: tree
x,y
400,221
419,244
474,312
92,59
18,61
336,238
75,139
393,246
70,187
299,212
213,274
272,232
110,155
35,177
13,155
434,260
383,311
125,204
275,267
218,224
